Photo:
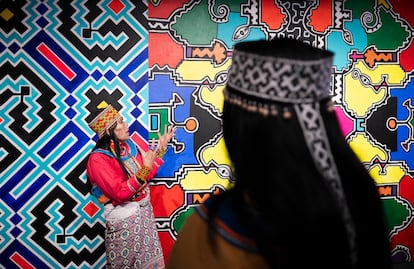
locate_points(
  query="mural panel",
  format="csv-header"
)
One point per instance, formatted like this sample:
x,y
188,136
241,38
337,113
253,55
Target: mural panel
x,y
165,62
190,49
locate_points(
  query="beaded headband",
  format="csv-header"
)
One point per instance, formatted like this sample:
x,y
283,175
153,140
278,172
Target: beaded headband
x,y
267,75
108,117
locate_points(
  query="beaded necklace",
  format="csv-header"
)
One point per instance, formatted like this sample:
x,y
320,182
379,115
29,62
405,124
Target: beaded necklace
x,y
130,162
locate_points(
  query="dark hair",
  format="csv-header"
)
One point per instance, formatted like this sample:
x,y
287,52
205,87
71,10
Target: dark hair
x,y
283,200
104,143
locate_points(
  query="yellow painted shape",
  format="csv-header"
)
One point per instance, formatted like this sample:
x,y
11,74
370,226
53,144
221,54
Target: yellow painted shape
x,y
366,152
200,180
6,14
215,98
199,70
393,174
217,153
206,180
360,99
384,3
102,105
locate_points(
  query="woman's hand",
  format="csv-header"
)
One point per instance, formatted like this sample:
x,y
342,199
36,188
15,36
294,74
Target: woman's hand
x,y
163,140
159,149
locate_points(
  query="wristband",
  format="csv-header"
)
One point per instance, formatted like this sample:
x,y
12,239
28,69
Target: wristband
x,y
161,152
143,173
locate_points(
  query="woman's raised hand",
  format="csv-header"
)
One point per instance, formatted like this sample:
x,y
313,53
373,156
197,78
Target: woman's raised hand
x,y
169,133
148,157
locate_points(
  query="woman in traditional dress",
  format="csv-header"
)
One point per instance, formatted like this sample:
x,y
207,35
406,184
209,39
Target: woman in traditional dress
x,y
119,171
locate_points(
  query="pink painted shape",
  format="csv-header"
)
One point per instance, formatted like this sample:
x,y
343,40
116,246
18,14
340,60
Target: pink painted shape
x,y
346,123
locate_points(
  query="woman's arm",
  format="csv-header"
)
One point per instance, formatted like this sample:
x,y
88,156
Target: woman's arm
x,y
105,172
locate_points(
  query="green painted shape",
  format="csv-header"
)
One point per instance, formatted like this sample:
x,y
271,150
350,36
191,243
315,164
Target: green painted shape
x,y
396,213
358,7
195,26
163,116
179,221
390,35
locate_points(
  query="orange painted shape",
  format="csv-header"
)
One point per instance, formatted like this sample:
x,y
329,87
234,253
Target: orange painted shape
x,y
384,191
191,124
372,57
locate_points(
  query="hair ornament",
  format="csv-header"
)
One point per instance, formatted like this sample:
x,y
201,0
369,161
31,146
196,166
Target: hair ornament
x,y
330,106
286,113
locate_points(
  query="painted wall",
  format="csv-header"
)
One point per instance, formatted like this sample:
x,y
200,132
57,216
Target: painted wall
x,y
165,62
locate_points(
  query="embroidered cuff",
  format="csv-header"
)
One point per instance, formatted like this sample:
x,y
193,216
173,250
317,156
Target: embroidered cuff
x,y
161,152
131,187
143,173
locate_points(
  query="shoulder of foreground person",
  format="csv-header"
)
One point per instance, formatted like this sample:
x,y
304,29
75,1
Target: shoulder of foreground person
x,y
192,249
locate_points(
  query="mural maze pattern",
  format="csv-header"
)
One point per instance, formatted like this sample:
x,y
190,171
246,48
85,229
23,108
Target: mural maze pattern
x,y
165,62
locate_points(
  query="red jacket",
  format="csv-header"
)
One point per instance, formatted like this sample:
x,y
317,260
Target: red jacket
x,y
104,171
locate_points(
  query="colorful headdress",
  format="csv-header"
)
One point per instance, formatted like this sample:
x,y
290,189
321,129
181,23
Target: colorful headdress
x,y
105,119
268,76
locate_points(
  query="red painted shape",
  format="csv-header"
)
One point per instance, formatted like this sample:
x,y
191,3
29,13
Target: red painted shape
x,y
272,15
404,9
162,50
167,242
406,59
116,6
20,261
321,17
91,209
162,9
166,207
56,61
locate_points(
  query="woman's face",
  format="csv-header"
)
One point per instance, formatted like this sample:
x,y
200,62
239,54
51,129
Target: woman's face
x,y
121,130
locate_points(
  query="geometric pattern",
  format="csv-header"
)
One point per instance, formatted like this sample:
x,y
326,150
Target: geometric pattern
x,y
371,87
165,62
58,60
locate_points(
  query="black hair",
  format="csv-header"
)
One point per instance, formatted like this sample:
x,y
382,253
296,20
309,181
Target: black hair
x,y
104,143
283,200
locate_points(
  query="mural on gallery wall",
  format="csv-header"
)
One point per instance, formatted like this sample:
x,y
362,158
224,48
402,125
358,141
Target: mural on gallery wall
x,y
166,62
190,49
58,61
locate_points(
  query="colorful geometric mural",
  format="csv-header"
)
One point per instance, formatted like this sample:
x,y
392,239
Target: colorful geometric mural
x,y
165,62
190,49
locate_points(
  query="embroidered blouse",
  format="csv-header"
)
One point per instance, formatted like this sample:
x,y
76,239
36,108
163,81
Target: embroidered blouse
x,y
104,171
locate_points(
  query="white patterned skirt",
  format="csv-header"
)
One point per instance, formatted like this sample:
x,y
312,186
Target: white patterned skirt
x,y
131,237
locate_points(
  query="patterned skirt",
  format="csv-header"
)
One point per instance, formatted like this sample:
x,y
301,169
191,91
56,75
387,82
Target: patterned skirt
x,y
133,242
